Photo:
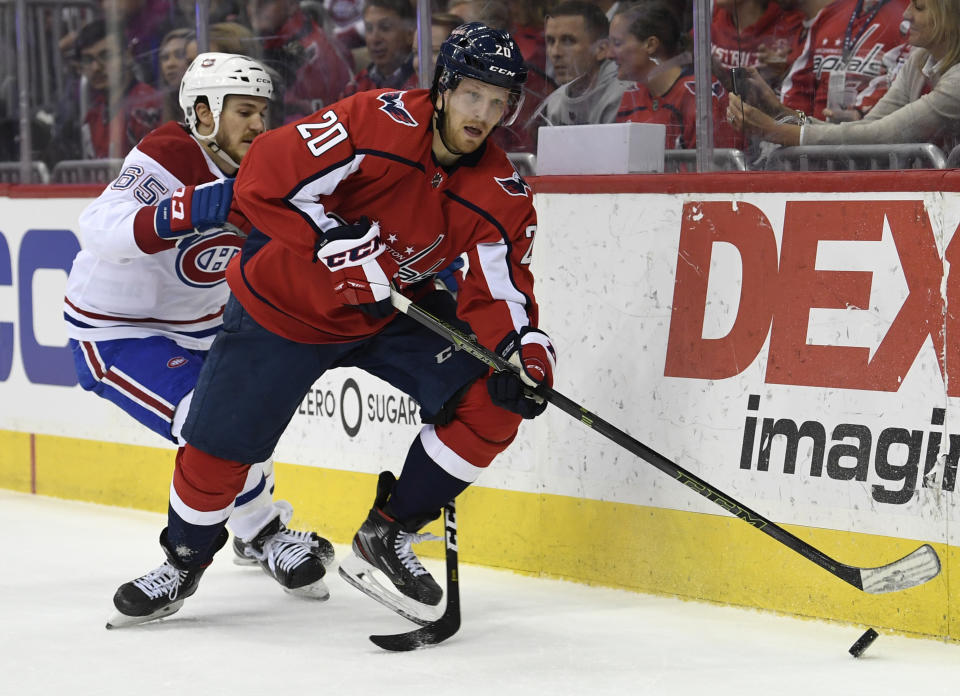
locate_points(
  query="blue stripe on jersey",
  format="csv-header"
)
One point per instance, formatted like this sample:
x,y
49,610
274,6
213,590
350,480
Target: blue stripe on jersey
x,y
252,493
391,156
503,233
192,334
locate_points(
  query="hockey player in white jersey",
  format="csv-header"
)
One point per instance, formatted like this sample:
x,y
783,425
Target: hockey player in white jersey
x,y
145,298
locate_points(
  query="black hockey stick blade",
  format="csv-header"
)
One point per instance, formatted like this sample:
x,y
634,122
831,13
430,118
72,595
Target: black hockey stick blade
x,y
914,569
449,623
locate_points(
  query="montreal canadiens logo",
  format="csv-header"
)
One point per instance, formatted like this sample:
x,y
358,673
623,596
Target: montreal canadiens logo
x,y
203,263
178,361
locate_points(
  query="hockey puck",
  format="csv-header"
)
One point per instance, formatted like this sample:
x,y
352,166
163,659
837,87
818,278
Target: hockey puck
x,y
863,642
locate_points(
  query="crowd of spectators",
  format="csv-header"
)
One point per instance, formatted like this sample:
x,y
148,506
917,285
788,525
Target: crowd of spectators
x,y
785,72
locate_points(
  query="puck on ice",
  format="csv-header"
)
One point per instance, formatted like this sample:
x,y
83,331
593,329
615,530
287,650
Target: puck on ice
x,y
863,642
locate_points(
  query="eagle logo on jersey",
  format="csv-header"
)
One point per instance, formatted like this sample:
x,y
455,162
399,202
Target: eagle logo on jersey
x,y
514,185
715,88
202,261
394,108
407,273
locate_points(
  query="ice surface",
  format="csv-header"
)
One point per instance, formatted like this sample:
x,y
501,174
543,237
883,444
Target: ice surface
x,y
240,634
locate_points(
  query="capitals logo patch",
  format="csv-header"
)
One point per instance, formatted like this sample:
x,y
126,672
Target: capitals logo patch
x,y
716,89
394,108
202,261
514,185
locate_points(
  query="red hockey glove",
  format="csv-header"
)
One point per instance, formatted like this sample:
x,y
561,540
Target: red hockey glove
x,y
361,272
533,353
193,209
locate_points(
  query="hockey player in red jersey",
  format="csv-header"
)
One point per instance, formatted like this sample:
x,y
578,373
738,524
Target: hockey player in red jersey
x,y
385,187
145,296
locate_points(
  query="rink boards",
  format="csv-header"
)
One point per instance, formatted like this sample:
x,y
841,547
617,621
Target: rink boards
x,y
788,338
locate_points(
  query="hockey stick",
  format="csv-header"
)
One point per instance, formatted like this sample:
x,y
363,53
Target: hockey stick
x,y
914,569
448,624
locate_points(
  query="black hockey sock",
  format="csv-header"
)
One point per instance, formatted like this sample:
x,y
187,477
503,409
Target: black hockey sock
x,y
423,487
192,545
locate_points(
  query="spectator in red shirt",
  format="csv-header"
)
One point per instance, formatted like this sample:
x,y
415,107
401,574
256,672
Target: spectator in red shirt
x,y
846,47
648,46
388,27
122,110
527,20
313,68
346,16
754,33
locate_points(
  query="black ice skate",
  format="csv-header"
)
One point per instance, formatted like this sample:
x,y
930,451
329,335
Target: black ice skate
x,y
384,545
160,592
291,559
244,553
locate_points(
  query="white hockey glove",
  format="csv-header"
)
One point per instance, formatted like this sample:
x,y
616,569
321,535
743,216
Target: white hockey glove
x,y
361,272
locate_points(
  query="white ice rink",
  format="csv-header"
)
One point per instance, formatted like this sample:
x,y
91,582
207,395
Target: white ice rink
x,y
240,634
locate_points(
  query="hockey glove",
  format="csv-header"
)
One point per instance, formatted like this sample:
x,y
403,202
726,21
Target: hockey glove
x,y
536,359
193,209
361,272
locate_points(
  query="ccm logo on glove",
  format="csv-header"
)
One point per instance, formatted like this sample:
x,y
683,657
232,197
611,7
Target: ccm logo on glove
x,y
194,209
352,257
360,271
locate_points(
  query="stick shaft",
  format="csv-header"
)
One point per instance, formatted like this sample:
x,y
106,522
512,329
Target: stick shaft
x,y
844,572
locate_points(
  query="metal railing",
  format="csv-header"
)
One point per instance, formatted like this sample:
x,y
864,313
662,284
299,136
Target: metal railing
x,y
12,173
724,159
97,171
953,159
856,157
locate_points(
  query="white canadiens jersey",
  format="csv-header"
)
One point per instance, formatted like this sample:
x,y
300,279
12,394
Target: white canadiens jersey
x,y
129,283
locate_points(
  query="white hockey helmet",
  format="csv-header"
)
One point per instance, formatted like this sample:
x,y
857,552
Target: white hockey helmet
x,y
216,75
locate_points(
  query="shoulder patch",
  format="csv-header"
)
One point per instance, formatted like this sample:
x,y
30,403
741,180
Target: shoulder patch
x,y
514,185
394,108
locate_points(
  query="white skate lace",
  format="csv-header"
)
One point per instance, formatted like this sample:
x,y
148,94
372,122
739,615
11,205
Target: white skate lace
x,y
285,551
164,580
402,545
301,537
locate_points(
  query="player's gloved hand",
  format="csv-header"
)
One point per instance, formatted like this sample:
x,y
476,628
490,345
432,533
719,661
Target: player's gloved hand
x,y
361,272
193,209
448,276
533,353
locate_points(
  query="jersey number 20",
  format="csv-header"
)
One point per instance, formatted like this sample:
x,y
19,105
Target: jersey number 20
x,y
331,132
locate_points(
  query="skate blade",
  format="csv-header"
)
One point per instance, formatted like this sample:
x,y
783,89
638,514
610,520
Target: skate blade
x,y
119,620
362,575
244,561
316,591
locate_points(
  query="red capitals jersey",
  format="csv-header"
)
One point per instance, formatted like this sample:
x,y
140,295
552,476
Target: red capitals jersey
x,y
403,78
321,68
871,35
138,114
370,155
776,28
677,110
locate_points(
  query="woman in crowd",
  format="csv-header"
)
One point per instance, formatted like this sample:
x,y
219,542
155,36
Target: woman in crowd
x,y
173,64
649,47
922,104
